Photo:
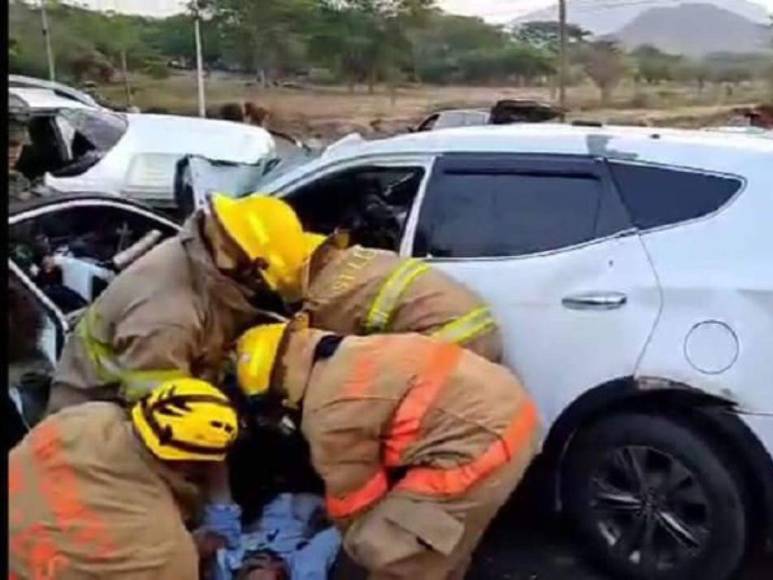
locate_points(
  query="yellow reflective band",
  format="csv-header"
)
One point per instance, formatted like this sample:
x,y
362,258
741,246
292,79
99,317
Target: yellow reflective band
x,y
134,384
137,384
468,327
387,299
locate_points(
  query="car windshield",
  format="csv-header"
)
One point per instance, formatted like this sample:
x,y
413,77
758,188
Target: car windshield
x,y
278,166
101,129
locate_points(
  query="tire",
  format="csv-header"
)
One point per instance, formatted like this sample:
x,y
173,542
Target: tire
x,y
653,499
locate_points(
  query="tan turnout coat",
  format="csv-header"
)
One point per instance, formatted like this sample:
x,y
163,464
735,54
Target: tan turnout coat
x,y
172,313
414,439
364,291
86,500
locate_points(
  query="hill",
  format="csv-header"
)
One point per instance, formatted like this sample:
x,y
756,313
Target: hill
x,y
609,19
695,30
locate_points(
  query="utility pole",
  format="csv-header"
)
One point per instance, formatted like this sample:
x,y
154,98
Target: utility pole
x,y
126,85
47,39
562,73
199,62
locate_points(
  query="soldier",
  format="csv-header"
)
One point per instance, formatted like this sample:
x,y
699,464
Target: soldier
x,y
19,187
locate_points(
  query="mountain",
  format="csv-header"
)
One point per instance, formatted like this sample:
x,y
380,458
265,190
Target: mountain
x,y
695,30
606,18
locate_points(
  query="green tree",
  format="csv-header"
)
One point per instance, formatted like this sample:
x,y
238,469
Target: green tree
x,y
266,36
653,65
604,63
546,35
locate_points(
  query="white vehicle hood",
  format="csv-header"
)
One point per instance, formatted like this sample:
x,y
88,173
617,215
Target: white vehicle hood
x,y
212,138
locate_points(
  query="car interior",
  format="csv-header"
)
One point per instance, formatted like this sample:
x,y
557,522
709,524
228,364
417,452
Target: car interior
x,y
67,143
45,152
70,255
371,202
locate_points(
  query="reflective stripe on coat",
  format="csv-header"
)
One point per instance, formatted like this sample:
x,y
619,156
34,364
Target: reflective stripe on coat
x,y
366,291
172,313
408,414
87,501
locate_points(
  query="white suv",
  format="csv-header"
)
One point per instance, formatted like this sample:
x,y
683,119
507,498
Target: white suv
x,y
631,272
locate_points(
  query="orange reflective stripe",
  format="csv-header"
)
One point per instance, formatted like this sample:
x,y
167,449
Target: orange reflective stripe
x,y
351,503
457,480
39,552
441,362
59,486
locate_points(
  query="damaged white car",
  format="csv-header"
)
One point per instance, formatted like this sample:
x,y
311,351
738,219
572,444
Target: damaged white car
x,y
77,147
62,252
630,271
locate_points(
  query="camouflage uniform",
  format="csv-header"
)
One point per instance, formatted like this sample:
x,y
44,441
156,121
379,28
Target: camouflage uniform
x,y
20,189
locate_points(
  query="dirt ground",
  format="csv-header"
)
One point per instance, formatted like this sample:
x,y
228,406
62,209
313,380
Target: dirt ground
x,y
331,112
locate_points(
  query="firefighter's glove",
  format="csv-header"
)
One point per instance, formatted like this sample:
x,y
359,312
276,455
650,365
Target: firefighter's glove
x,y
224,519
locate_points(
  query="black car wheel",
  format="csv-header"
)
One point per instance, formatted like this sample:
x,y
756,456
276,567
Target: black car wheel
x,y
654,499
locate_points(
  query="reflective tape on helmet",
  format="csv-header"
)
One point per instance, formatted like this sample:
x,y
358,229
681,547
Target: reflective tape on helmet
x,y
475,323
388,297
349,504
134,384
457,480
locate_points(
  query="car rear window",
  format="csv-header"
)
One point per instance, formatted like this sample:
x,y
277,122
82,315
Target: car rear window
x,y
660,196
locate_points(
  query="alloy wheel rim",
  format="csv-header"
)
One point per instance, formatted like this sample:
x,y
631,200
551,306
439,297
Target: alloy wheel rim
x,y
649,508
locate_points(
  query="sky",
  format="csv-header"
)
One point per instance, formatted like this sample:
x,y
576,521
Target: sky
x,y
491,10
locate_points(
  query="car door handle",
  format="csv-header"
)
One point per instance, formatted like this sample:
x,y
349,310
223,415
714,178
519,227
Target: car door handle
x,y
595,301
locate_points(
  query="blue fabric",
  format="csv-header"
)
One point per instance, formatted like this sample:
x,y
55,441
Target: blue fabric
x,y
225,521
294,527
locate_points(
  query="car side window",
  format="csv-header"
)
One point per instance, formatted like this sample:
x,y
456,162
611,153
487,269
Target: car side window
x,y
372,202
659,196
494,209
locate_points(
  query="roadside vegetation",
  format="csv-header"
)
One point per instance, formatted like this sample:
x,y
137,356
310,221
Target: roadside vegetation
x,y
394,59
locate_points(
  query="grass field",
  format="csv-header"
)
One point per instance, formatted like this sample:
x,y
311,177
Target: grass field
x,y
329,112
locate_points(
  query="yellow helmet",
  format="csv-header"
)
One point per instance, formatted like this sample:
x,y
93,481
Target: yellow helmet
x,y
256,353
186,420
266,228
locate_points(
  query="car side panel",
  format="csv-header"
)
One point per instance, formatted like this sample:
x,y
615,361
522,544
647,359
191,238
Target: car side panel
x,y
716,329
560,353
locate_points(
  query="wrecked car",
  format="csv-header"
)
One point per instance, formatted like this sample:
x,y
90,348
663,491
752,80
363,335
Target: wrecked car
x,y
629,271
503,112
62,252
75,146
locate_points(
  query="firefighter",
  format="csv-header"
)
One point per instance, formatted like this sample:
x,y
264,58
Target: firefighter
x,y
357,290
177,311
96,492
419,442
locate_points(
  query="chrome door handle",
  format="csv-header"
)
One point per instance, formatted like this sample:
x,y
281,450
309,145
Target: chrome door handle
x,y
595,301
